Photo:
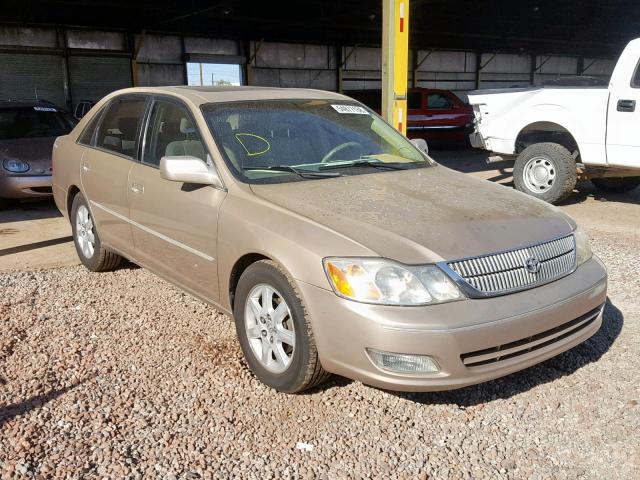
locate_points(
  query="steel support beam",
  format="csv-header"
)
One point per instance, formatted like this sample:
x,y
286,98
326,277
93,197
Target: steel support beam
x,y
395,62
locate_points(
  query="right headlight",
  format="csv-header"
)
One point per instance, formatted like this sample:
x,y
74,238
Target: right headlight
x,y
381,281
583,250
14,165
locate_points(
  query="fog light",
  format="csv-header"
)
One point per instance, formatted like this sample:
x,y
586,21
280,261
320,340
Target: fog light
x,y
403,363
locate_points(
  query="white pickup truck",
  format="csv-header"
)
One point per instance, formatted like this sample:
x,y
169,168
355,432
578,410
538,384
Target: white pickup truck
x,y
557,135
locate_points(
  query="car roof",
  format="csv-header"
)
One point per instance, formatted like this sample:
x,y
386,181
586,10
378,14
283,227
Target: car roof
x,y
4,103
201,95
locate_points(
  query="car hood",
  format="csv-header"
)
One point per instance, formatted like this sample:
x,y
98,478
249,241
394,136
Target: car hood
x,y
35,151
422,215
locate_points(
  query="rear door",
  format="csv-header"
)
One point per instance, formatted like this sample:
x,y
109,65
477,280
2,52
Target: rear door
x,y
623,122
441,111
105,168
175,224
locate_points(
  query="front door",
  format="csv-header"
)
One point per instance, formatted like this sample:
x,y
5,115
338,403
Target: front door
x,y
623,119
105,169
174,224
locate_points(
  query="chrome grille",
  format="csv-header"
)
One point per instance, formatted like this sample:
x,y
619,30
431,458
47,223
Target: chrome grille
x,y
505,272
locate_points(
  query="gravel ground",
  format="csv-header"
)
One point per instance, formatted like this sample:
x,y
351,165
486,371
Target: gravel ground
x,y
121,375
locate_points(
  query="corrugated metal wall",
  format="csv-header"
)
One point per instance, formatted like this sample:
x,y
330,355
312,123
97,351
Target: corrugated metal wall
x,y
84,64
32,76
291,65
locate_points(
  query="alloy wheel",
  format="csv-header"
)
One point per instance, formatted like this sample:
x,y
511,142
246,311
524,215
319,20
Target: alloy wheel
x,y
269,327
85,235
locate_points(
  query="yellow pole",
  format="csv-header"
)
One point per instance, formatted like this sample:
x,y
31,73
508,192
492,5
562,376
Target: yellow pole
x,y
395,62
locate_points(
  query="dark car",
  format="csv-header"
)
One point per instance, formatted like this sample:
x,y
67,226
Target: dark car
x,y
28,129
435,115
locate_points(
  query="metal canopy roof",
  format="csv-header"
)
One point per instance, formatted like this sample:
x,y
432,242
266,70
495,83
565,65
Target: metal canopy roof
x,y
576,27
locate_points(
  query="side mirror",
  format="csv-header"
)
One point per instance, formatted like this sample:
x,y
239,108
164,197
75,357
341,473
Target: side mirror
x,y
188,169
421,144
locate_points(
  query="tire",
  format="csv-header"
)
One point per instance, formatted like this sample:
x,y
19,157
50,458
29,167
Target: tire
x,y
7,203
552,160
96,258
616,184
301,368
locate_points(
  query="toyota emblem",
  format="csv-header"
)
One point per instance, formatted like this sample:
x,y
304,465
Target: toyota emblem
x,y
532,264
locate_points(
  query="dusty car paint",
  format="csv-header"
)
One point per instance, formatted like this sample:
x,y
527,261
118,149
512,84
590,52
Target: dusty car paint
x,y
412,217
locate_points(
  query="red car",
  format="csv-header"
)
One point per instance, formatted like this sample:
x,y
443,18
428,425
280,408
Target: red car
x,y
433,114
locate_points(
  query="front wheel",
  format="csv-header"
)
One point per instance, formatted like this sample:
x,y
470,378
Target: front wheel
x,y
7,203
616,184
546,171
274,330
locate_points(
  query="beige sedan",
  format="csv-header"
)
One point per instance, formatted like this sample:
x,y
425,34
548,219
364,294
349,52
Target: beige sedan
x,y
338,245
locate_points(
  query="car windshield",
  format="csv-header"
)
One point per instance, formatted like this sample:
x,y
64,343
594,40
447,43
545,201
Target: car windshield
x,y
289,140
35,121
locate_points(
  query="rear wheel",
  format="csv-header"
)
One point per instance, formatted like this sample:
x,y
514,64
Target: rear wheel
x,y
616,184
274,330
86,239
546,171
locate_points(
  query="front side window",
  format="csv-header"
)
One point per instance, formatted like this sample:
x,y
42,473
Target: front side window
x,y
33,122
118,130
171,133
437,100
290,140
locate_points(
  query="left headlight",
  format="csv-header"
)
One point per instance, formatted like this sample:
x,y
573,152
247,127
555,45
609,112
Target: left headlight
x,y
583,249
14,165
386,282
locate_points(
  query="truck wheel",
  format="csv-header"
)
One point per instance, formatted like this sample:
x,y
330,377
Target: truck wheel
x,y
616,184
274,330
546,171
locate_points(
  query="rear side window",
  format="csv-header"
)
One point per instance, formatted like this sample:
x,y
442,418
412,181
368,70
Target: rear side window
x,y
438,100
33,122
171,133
118,130
88,134
414,100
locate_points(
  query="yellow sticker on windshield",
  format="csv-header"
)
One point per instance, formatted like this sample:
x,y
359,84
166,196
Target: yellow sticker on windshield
x,y
253,144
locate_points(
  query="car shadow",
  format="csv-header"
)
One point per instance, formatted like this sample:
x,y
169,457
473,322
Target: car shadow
x,y
9,412
548,371
30,209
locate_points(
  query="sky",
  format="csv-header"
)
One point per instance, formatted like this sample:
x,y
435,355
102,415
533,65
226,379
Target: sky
x,y
212,72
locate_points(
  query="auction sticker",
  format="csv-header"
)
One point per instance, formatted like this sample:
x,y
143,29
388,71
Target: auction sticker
x,y
350,109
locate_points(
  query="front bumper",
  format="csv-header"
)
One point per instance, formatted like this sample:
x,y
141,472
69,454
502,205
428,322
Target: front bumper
x,y
452,333
25,186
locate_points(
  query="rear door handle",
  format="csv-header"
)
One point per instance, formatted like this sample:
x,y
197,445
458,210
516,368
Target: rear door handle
x,y
626,105
137,188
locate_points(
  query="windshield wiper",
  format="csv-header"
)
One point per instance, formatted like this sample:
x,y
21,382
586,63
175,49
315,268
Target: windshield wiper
x,y
369,162
298,171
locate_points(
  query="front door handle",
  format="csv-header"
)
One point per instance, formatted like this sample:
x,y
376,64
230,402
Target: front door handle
x,y
626,105
137,188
